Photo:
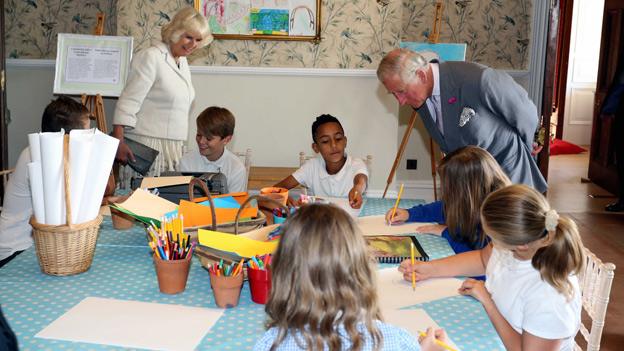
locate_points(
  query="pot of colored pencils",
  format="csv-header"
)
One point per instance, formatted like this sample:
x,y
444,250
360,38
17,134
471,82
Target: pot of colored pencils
x,y
172,256
226,281
259,276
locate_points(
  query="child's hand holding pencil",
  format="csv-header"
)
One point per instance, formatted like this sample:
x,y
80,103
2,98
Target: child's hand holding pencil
x,y
434,340
400,216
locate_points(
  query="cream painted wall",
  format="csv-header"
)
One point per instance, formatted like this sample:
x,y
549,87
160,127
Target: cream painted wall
x,y
275,108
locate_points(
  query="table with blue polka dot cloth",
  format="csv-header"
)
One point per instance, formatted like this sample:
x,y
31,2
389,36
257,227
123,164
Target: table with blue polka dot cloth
x,y
123,269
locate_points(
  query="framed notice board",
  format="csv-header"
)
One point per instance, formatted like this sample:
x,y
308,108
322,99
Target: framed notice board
x,y
263,19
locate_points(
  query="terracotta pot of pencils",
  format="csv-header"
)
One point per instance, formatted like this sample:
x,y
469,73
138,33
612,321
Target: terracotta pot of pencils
x,y
226,285
121,221
172,274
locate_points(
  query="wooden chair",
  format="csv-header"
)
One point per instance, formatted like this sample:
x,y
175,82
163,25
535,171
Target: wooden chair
x,y
595,283
246,158
5,179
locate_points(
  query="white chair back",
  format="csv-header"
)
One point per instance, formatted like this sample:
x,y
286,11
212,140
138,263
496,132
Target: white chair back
x,y
246,158
595,283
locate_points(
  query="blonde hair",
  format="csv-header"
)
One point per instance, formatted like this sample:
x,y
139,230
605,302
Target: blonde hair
x,y
186,20
323,277
518,215
467,176
402,62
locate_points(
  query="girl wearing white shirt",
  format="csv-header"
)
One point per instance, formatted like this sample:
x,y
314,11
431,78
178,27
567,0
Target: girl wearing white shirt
x,y
532,293
154,106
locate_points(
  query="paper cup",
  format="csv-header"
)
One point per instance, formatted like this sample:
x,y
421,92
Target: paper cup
x,y
259,285
172,274
226,290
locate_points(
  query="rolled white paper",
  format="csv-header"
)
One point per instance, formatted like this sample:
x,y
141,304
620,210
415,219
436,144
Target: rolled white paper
x,y
80,146
53,177
100,164
35,149
36,190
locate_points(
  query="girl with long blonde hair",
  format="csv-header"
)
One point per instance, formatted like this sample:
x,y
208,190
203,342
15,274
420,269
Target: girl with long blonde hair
x,y
532,293
467,176
323,293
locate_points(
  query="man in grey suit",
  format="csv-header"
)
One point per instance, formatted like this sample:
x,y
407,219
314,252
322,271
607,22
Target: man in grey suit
x,y
464,103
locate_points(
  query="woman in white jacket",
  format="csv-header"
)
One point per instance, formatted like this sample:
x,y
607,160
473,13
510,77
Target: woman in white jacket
x,y
154,106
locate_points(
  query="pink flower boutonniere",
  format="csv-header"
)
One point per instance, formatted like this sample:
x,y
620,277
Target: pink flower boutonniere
x,y
452,100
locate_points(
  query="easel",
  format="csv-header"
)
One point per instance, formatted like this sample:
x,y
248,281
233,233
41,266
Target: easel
x,y
433,38
95,105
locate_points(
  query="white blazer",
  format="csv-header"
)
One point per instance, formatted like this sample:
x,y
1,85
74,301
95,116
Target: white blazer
x,y
157,98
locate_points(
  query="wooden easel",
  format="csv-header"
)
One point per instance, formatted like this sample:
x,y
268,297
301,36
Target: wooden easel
x,y
95,105
433,38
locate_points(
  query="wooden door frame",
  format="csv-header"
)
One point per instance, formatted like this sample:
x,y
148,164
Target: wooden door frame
x,y
4,153
563,56
549,81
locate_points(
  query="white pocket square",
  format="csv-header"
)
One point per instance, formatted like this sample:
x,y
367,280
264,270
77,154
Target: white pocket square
x,y
466,114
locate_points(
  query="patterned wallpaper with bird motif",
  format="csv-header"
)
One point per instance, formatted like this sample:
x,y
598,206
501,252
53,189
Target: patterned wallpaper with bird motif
x,y
355,33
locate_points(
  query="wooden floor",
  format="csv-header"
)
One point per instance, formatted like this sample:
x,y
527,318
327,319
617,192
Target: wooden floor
x,y
602,232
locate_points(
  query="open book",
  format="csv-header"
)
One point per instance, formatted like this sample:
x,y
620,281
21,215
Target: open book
x,y
395,248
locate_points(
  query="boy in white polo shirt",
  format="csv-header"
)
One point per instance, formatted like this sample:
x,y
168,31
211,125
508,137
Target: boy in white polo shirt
x,y
334,174
215,128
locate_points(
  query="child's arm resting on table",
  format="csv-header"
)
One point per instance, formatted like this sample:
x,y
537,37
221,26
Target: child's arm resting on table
x,y
359,185
468,264
510,337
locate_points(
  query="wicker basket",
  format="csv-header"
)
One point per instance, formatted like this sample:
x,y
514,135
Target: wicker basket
x,y
65,249
207,258
230,227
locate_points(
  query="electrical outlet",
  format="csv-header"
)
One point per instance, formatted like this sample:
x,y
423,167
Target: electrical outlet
x,y
412,164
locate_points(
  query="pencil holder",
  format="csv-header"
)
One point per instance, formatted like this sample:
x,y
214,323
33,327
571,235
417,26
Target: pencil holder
x,y
121,221
226,290
172,274
259,284
278,194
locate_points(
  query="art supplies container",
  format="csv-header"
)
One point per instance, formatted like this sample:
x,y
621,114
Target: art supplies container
x,y
226,290
278,194
121,221
65,249
172,274
259,284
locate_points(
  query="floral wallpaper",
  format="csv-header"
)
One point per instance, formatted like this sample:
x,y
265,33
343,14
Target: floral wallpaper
x,y
31,26
497,32
355,33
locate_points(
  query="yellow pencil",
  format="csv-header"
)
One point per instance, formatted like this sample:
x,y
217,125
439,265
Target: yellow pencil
x,y
441,343
396,204
413,273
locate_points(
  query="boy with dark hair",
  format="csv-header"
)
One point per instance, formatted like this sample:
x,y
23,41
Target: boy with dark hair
x,y
215,128
15,231
334,174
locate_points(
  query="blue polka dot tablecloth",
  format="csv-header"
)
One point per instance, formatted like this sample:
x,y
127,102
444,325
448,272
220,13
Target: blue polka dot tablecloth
x,y
123,269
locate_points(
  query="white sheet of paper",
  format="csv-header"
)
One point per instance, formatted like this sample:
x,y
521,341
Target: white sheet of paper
x,y
133,324
344,204
414,321
394,292
36,190
80,145
376,225
100,165
53,176
156,182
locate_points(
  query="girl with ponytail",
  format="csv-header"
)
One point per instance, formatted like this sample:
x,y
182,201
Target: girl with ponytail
x,y
532,294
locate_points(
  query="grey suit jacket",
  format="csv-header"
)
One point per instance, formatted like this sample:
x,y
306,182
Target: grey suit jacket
x,y
504,120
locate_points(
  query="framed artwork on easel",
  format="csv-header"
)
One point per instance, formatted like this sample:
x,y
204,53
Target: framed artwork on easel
x,y
92,64
293,20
